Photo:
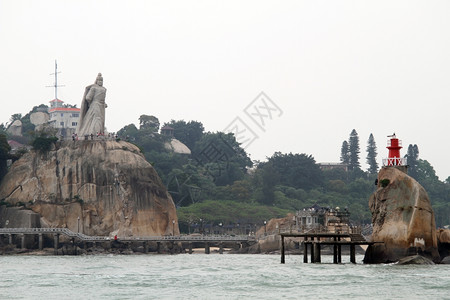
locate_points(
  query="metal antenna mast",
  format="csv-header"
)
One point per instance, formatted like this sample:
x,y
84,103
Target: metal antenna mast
x,y
55,85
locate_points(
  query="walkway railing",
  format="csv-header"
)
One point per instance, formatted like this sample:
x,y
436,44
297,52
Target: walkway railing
x,y
83,237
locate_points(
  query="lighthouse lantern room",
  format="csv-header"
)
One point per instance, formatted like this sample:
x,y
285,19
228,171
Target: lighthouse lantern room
x,y
394,158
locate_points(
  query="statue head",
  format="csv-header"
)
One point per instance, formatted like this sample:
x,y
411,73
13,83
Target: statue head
x,y
99,80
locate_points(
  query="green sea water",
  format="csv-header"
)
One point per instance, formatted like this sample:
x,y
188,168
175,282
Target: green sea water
x,y
214,276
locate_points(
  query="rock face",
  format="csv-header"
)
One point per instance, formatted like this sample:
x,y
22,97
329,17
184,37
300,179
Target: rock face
x,y
108,185
177,147
39,119
15,128
443,238
402,219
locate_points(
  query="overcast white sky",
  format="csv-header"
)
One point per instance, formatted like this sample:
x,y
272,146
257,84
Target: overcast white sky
x,y
330,66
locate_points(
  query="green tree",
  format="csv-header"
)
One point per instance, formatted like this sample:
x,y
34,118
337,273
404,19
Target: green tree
x,y
4,155
345,153
188,133
412,157
296,170
353,147
372,155
149,122
221,155
15,117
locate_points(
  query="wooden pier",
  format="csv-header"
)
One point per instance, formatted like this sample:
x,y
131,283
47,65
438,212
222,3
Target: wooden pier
x,y
316,240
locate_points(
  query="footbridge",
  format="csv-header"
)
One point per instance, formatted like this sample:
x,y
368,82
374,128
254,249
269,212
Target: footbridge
x,y
186,240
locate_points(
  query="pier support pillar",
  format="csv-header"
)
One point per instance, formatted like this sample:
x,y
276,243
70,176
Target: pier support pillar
x,y
317,258
305,252
352,254
158,247
190,248
339,252
56,242
74,247
145,247
10,239
41,241
312,251
282,250
206,248
221,248
335,254
22,241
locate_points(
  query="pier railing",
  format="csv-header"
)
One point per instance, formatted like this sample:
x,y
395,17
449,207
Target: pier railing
x,y
88,238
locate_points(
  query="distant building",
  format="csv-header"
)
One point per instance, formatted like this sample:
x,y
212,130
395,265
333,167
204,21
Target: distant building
x,y
332,166
63,117
167,131
323,219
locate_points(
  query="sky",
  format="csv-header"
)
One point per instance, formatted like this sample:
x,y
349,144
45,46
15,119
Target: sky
x,y
324,68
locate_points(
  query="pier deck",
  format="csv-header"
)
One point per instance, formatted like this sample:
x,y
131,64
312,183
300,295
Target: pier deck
x,y
315,240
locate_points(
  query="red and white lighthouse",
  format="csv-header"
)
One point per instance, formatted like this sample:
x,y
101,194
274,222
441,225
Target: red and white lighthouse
x,y
394,158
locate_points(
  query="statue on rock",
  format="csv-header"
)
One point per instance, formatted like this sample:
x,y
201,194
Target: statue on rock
x,y
92,118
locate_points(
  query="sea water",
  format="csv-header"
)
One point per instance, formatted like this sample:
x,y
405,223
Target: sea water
x,y
214,276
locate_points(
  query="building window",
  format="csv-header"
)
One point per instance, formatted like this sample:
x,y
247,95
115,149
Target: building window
x,y
62,115
62,124
74,124
75,115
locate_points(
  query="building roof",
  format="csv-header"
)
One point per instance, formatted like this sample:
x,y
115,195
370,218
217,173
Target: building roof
x,y
56,109
167,128
15,145
56,100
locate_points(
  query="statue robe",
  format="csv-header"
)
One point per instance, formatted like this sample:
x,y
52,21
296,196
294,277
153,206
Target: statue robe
x,y
92,117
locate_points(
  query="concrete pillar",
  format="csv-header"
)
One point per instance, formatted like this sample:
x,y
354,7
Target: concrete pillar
x,y
206,248
339,254
41,242
158,247
190,248
335,254
74,249
145,247
56,242
305,252
312,250
352,254
282,250
22,239
10,239
317,258
221,248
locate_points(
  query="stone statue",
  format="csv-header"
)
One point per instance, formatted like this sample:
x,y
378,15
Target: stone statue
x,y
92,117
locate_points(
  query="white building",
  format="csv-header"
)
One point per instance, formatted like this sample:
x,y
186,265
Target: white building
x,y
63,117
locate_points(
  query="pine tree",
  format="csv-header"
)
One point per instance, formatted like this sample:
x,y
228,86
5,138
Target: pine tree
x,y
353,147
345,158
412,160
372,155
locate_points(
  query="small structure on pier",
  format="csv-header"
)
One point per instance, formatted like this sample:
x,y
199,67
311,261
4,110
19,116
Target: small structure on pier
x,y
323,219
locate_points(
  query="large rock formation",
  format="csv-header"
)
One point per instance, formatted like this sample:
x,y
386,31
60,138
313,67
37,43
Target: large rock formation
x,y
443,238
402,218
108,185
15,128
